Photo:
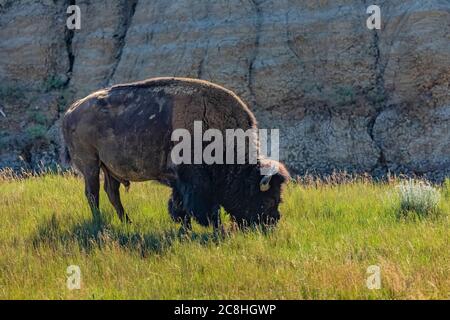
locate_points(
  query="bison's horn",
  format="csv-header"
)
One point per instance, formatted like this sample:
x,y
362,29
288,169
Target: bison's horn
x,y
264,185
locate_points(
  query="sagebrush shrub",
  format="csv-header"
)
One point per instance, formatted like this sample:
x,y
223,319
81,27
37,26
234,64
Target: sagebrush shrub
x,y
419,197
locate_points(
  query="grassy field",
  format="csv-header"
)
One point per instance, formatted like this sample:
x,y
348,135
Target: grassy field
x,y
328,237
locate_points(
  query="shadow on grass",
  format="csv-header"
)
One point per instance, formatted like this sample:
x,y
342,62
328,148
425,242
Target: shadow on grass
x,y
101,233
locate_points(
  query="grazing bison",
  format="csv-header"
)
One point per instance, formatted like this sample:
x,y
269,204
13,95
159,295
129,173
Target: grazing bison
x,y
126,131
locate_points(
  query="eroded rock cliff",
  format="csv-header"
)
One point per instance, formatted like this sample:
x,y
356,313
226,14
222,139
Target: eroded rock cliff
x,y
344,97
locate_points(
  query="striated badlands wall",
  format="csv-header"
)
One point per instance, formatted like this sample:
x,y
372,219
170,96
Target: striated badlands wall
x,y
343,96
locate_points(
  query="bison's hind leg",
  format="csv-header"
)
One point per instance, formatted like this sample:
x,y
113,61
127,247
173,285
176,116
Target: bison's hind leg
x,y
92,187
86,161
112,189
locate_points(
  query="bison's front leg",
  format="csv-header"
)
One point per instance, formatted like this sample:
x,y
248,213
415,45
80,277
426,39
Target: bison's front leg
x,y
194,197
182,208
216,221
178,212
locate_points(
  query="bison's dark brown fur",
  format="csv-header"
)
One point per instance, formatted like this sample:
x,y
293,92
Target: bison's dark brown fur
x,y
126,131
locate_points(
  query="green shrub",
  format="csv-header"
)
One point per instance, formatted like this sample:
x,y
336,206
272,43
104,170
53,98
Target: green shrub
x,y
418,197
36,131
54,82
344,95
65,99
39,117
4,142
13,92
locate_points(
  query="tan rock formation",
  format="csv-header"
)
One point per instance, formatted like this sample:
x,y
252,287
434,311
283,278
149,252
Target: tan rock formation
x,y
343,96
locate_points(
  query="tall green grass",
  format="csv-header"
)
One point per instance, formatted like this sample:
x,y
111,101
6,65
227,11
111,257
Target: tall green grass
x,y
329,235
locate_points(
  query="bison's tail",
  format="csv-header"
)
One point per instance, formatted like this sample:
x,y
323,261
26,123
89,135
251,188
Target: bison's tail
x,y
126,184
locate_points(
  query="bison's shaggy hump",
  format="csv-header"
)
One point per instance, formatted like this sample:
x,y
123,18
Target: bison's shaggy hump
x,y
213,93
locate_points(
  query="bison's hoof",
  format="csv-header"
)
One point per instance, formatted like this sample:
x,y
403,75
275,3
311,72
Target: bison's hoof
x,y
184,232
220,232
127,220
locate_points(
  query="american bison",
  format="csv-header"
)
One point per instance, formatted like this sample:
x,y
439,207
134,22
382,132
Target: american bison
x,y
126,131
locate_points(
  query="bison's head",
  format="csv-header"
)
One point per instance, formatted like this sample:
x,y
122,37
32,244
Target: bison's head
x,y
260,195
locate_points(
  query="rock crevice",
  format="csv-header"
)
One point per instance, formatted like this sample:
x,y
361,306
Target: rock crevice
x,y
128,12
69,34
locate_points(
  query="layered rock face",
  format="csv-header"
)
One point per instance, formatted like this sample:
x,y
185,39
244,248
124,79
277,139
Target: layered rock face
x,y
344,97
